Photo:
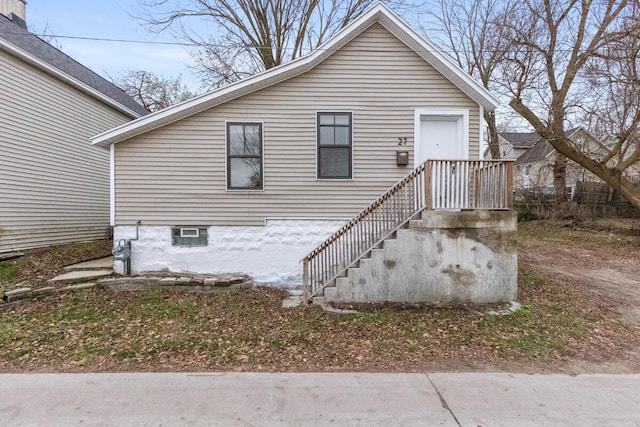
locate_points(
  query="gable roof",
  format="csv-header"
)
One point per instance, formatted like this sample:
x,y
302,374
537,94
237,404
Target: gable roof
x,y
379,13
542,149
520,139
18,41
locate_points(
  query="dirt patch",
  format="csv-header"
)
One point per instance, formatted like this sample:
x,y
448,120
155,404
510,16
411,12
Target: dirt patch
x,y
612,280
604,263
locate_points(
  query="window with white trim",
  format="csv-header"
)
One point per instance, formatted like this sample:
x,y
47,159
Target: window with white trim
x,y
335,143
244,156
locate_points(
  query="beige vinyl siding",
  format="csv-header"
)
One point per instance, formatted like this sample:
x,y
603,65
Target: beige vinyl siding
x,y
177,174
54,186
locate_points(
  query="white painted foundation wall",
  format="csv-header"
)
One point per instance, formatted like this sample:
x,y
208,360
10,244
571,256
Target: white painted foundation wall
x,y
270,253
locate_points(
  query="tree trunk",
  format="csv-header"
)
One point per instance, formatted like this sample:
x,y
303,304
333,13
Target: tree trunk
x,y
627,189
560,185
492,130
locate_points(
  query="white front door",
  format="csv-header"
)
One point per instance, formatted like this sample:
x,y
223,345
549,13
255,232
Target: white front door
x,y
441,136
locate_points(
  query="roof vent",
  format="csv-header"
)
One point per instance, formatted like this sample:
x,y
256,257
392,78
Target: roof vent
x,y
17,8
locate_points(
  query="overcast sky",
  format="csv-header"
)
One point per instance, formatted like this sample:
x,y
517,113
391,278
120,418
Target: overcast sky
x,y
111,19
108,19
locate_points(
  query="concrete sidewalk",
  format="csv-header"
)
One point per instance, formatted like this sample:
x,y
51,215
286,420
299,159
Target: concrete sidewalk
x,y
257,399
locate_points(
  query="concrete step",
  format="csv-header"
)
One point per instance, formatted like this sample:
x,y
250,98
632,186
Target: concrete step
x,y
352,276
365,263
319,300
378,256
96,264
415,223
342,281
404,233
80,276
342,290
292,301
10,255
331,291
376,253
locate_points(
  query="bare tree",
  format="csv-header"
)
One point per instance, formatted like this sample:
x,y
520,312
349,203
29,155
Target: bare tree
x,y
614,114
474,32
554,43
248,36
152,92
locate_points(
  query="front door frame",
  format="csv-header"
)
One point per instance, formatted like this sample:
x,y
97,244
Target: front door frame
x,y
462,119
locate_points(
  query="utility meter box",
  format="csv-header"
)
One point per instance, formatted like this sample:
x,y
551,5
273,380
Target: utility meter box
x,y
122,252
402,158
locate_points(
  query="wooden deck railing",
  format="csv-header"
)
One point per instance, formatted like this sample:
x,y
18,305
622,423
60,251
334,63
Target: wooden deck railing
x,y
435,184
471,184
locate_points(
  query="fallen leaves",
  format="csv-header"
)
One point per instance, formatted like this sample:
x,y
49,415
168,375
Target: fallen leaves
x,y
162,330
560,325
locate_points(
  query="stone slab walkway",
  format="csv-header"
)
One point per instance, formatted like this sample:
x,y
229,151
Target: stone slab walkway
x,y
193,283
96,264
78,276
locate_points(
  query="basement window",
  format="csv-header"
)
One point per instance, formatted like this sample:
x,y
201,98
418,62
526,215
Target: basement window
x,y
189,236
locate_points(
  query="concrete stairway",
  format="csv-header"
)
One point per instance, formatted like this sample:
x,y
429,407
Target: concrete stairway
x,y
466,256
341,291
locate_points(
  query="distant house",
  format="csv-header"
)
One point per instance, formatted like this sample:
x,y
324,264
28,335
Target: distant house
x,y
297,174
633,171
514,144
534,168
54,185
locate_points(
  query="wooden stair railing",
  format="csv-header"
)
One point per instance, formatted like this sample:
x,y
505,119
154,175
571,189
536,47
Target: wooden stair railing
x,y
435,184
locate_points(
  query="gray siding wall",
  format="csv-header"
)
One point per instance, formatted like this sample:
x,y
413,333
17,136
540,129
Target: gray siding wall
x,y
54,186
176,175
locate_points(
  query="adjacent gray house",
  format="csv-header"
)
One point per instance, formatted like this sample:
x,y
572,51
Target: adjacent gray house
x,y
54,185
534,169
298,174
514,144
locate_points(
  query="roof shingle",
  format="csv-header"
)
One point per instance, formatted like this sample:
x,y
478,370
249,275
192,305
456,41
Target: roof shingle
x,y
520,139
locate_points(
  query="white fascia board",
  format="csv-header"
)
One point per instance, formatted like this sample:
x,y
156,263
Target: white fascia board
x,y
379,13
30,59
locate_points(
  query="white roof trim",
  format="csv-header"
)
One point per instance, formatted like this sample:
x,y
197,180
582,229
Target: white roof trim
x,y
30,59
379,13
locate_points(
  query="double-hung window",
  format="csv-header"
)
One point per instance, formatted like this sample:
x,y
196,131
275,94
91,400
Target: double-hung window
x,y
244,156
334,145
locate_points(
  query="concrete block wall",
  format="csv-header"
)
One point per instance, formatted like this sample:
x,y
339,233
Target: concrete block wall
x,y
464,256
271,253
